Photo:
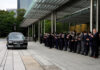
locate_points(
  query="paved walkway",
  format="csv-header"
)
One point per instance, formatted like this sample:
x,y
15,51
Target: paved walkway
x,y
39,57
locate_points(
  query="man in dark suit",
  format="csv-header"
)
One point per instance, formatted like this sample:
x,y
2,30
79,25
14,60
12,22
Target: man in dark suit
x,y
86,44
56,42
95,43
79,45
61,41
66,42
91,44
70,43
51,41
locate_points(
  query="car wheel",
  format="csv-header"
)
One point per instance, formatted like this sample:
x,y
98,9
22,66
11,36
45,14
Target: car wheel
x,y
25,47
8,48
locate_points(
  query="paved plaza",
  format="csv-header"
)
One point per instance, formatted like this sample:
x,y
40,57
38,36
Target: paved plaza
x,y
39,57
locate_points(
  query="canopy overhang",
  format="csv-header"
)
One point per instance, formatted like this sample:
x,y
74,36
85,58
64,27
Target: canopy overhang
x,y
27,22
81,16
41,8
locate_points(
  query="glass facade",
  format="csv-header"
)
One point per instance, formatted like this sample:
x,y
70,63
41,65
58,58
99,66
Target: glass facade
x,y
23,4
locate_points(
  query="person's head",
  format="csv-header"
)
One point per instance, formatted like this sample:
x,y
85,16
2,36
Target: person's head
x,y
89,33
94,31
85,32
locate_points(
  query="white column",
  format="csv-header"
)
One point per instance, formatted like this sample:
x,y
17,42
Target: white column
x,y
52,17
69,27
32,31
39,30
28,33
55,17
44,26
97,15
74,26
91,14
41,27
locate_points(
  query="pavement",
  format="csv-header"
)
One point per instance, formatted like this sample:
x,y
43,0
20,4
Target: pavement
x,y
39,57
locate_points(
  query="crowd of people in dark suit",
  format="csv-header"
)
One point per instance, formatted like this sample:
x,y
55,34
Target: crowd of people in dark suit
x,y
82,43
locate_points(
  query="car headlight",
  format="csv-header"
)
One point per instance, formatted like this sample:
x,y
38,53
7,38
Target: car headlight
x,y
10,41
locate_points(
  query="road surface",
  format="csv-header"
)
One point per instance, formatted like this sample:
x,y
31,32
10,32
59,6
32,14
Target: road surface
x,y
39,57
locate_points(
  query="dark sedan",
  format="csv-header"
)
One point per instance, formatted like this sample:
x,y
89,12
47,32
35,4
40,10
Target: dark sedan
x,y
16,40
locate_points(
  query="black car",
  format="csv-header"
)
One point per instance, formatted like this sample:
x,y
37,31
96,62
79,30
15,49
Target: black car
x,y
16,40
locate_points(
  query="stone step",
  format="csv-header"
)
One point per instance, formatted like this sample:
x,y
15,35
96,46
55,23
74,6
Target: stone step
x,y
51,67
30,63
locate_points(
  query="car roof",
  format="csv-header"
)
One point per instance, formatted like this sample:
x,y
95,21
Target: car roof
x,y
15,33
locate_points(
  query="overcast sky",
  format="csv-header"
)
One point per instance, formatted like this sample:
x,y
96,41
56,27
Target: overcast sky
x,y
8,4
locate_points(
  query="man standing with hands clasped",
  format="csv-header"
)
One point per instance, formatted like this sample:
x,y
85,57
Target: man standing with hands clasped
x,y
95,43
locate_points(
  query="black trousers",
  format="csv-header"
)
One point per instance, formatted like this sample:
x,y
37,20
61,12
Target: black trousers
x,y
71,46
92,50
96,51
86,49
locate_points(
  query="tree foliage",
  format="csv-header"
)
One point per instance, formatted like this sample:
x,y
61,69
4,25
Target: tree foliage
x,y
61,27
20,15
7,21
19,20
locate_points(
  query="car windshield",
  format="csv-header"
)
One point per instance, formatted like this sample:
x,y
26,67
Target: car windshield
x,y
16,36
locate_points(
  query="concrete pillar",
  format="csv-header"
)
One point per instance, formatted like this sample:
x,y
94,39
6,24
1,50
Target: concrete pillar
x,y
28,33
97,15
39,31
32,31
74,26
91,14
44,26
41,27
52,22
55,17
69,27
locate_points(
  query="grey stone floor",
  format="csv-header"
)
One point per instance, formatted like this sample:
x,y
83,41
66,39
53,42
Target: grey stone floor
x,y
39,57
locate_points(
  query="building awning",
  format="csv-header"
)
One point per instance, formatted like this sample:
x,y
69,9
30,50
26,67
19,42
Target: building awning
x,y
82,16
73,7
27,22
41,8
78,17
